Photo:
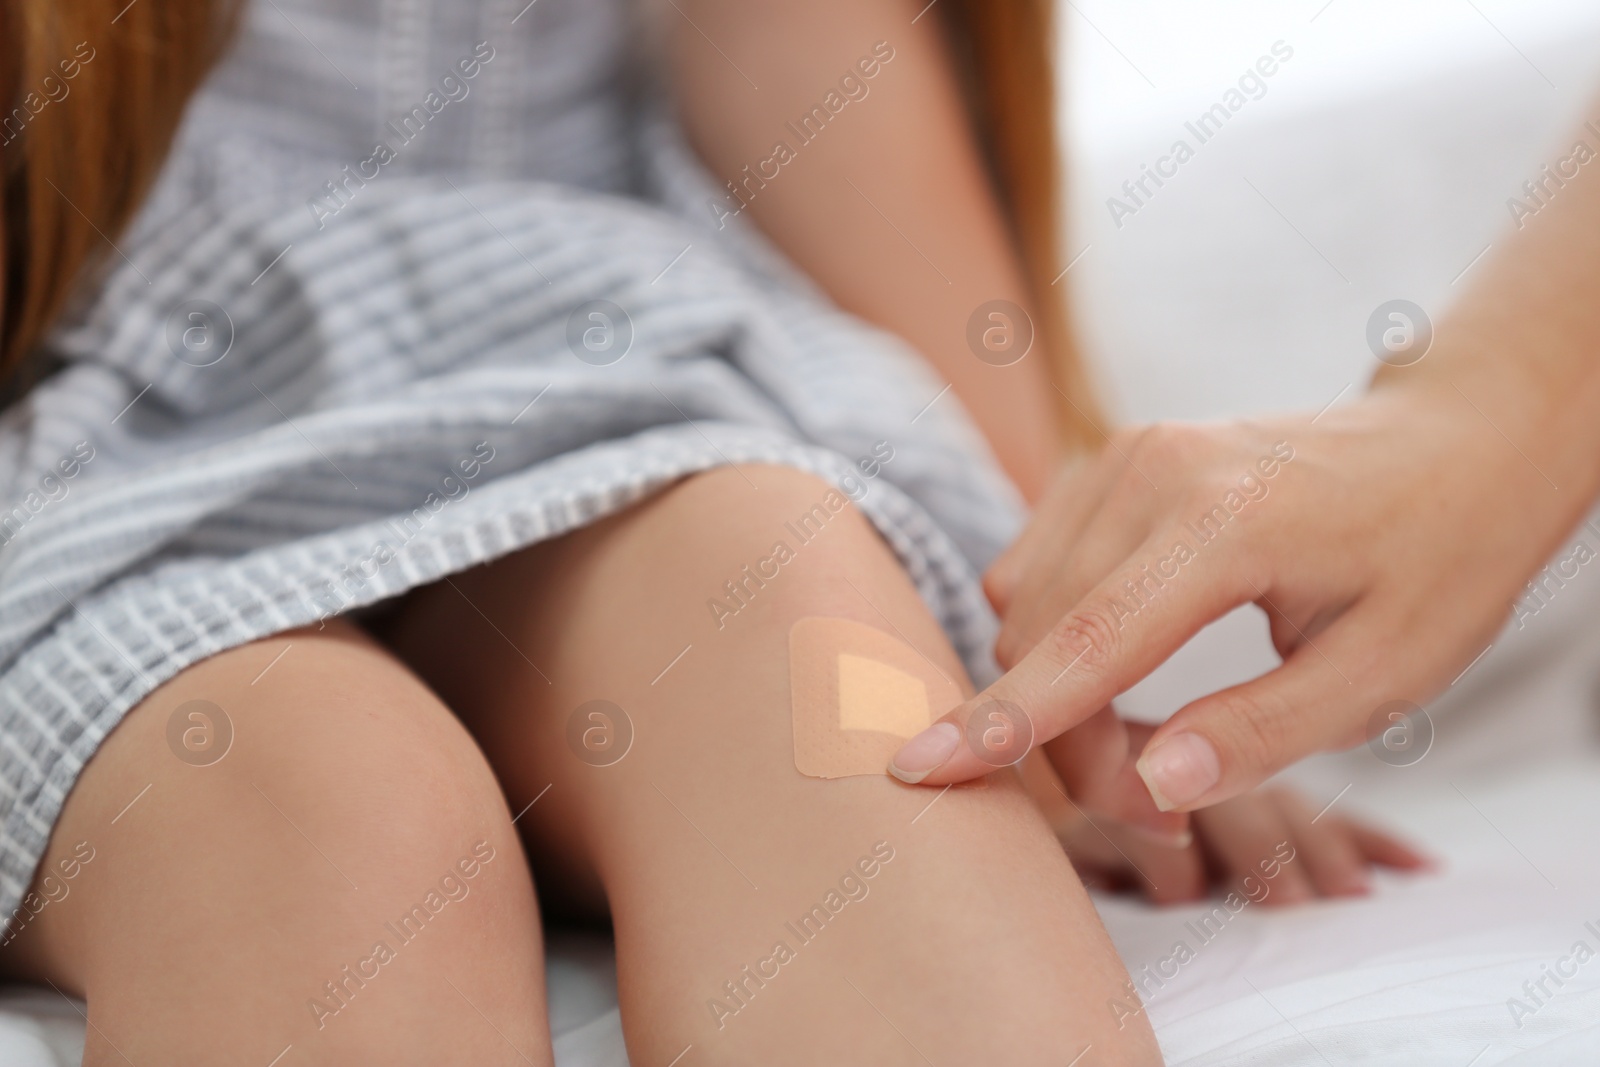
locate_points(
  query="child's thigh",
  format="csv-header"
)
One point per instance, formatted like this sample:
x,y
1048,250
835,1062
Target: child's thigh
x,y
973,941
246,840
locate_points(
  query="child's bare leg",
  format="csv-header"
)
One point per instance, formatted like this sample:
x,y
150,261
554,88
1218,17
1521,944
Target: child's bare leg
x,y
974,944
219,899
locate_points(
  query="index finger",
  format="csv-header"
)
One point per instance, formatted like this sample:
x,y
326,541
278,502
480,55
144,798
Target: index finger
x,y
1122,630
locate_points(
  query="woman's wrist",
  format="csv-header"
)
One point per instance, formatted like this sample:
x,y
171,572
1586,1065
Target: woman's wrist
x,y
1521,349
1545,410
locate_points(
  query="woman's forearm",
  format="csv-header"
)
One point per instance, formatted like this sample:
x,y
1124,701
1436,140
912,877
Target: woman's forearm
x,y
883,199
1523,345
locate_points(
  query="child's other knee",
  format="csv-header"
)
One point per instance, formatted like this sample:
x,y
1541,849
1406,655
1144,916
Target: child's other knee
x,y
307,882
341,783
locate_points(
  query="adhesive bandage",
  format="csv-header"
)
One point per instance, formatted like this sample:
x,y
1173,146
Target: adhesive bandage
x,y
856,695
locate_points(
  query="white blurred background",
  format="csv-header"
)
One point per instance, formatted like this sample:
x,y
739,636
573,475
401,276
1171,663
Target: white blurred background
x,y
1377,165
1390,140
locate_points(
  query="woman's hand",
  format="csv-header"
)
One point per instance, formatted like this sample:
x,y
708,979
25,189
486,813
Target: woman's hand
x,y
1385,540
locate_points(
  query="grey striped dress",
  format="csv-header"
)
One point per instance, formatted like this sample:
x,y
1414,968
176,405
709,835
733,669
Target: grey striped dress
x,y
424,282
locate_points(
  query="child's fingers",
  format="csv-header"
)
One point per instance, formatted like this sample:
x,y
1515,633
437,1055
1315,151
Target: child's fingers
x,y
1246,836
1165,875
1111,855
1326,847
1095,761
1384,849
1151,867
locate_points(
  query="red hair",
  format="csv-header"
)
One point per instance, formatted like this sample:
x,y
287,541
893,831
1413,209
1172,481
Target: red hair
x,y
95,90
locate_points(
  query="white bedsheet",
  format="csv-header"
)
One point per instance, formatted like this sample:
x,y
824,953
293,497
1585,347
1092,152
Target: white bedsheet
x,y
1390,143
1424,971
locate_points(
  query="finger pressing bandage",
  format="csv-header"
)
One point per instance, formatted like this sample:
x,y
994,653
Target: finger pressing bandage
x,y
856,695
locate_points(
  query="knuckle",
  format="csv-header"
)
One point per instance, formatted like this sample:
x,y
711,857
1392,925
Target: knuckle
x,y
1008,647
1216,493
998,587
1126,439
1170,445
1256,731
1089,638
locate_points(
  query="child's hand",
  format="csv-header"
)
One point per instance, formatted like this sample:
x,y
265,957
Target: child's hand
x,y
1268,844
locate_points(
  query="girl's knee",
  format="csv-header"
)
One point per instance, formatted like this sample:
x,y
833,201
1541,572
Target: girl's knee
x,y
756,548
324,793
320,876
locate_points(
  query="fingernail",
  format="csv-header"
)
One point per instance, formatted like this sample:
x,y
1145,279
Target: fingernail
x,y
1179,770
920,755
1179,840
1358,885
